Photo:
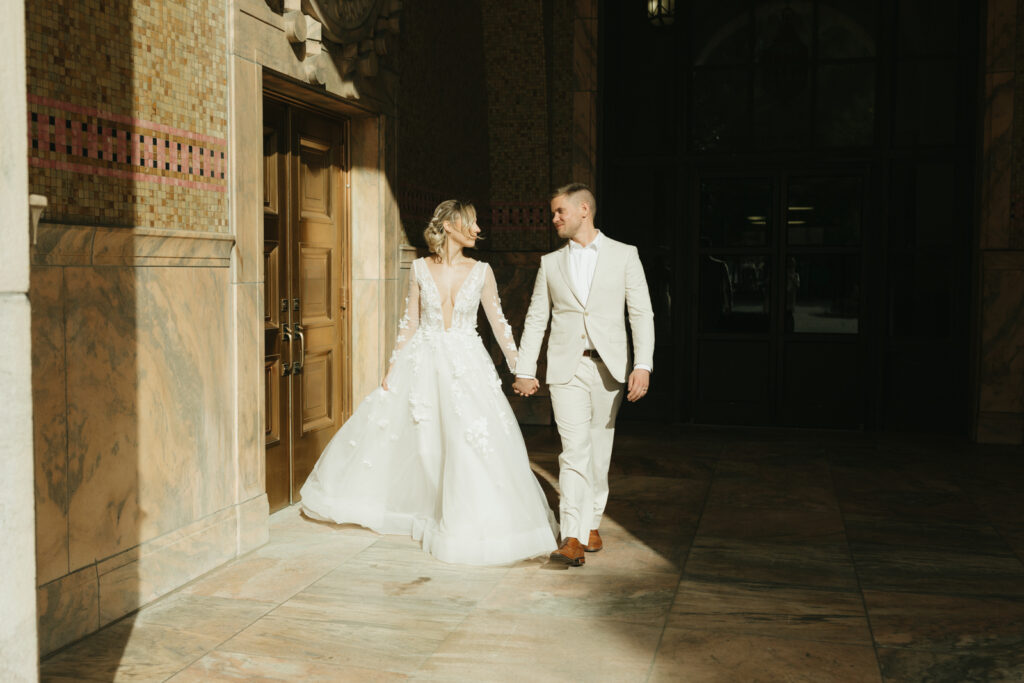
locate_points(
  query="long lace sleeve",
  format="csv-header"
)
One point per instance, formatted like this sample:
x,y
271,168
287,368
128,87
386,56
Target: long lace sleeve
x,y
410,319
499,326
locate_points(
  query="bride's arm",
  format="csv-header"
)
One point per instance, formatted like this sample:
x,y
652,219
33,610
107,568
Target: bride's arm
x,y
499,326
408,324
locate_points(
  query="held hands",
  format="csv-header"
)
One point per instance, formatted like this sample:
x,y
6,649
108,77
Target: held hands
x,y
639,381
525,386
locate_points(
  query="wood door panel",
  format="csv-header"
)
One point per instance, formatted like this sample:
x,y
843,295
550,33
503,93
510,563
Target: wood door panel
x,y
317,392
271,201
315,283
271,286
277,349
272,396
321,235
316,179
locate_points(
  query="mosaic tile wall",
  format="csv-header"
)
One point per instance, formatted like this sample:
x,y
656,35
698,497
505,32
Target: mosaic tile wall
x,y
442,126
128,112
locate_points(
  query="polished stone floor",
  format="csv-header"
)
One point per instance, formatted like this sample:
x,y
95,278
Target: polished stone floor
x,y
730,556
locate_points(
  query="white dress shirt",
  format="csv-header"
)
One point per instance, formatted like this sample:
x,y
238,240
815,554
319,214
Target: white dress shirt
x,y
582,264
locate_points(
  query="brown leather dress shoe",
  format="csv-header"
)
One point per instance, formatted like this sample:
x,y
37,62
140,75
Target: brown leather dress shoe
x,y
594,543
571,553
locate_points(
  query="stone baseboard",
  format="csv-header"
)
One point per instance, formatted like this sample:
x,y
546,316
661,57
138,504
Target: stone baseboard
x,y
84,601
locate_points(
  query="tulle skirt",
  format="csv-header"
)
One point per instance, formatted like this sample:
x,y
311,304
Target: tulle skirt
x,y
438,456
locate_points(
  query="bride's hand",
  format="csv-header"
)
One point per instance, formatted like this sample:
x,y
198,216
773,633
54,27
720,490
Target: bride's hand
x,y
384,385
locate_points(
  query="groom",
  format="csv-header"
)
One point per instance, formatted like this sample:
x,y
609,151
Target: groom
x,y
585,288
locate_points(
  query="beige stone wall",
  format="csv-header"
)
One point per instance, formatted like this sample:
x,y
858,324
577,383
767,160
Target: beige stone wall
x,y
999,304
141,421
18,648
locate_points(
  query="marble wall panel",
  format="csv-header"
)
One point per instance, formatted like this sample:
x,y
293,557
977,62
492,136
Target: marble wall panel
x,y
156,246
366,193
49,409
68,609
1000,428
158,567
1002,335
394,303
63,245
249,433
253,523
367,298
1001,34
997,160
149,403
585,54
247,171
584,138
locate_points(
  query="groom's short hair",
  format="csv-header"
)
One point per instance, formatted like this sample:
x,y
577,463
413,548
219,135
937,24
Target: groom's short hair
x,y
573,189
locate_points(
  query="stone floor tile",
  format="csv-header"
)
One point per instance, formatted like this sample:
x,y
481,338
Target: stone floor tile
x,y
914,569
260,576
225,667
915,666
945,623
543,648
640,597
126,652
818,565
771,610
355,644
215,618
713,656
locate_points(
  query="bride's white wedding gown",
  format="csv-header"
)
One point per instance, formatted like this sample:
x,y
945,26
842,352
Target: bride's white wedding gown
x,y
439,454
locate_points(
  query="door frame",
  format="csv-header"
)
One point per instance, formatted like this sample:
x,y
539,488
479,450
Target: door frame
x,y
290,96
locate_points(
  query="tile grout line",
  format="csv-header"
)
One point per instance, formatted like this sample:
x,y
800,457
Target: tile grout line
x,y
270,609
856,574
682,565
455,628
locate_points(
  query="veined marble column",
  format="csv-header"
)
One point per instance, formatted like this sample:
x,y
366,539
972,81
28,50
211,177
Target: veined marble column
x,y
999,323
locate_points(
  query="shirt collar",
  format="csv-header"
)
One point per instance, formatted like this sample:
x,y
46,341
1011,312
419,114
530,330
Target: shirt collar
x,y
594,245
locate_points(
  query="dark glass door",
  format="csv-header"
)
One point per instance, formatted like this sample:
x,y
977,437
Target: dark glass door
x,y
779,295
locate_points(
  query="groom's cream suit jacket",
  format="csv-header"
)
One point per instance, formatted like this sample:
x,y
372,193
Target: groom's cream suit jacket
x,y
619,286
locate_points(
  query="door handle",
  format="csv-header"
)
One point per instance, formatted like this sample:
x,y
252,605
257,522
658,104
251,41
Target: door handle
x,y
297,367
286,338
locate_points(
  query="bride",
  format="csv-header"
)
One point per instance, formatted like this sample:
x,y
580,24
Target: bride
x,y
435,452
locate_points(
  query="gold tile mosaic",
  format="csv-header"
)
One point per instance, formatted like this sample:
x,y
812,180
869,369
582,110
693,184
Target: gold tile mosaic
x,y
128,112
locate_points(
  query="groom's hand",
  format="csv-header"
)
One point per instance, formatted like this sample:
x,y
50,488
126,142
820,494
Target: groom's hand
x,y
525,386
639,381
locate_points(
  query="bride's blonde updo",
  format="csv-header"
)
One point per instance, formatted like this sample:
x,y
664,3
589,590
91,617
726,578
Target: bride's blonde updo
x,y
460,214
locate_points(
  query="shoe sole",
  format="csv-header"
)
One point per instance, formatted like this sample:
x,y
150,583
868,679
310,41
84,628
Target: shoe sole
x,y
558,557
591,550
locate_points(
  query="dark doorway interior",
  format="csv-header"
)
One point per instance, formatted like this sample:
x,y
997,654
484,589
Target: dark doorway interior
x,y
799,177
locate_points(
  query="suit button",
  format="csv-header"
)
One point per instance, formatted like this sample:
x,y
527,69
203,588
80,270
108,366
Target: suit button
x,y
586,315
583,336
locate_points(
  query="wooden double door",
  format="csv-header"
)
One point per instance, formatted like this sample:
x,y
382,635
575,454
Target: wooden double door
x,y
306,291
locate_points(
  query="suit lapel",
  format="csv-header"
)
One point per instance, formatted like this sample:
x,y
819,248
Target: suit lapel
x,y
563,263
605,256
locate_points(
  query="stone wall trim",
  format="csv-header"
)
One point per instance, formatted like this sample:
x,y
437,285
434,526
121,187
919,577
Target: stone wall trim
x,y
83,245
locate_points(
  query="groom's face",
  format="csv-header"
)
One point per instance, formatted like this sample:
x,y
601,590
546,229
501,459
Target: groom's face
x,y
567,216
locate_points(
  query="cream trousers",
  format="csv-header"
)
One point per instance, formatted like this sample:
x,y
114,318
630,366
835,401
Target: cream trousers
x,y
585,410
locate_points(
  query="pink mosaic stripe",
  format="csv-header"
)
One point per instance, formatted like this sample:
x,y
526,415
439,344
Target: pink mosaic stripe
x,y
119,173
121,118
